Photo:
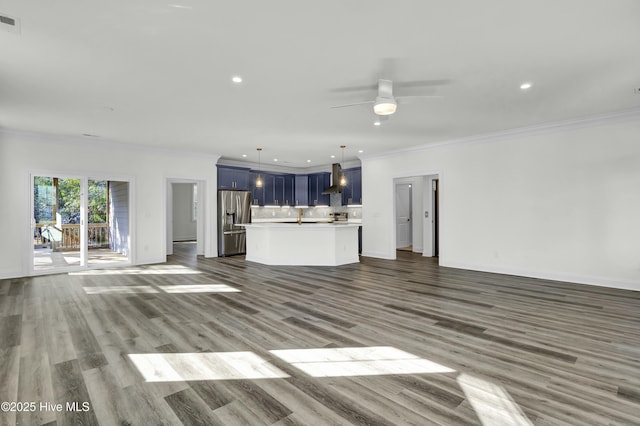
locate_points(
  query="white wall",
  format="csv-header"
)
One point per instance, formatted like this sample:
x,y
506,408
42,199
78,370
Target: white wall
x,y
558,202
184,227
21,153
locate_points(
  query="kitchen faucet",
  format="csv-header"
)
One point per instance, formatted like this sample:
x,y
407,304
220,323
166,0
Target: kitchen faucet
x,y
300,216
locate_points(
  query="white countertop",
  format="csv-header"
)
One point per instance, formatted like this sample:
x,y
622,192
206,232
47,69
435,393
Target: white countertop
x,y
305,226
304,220
290,219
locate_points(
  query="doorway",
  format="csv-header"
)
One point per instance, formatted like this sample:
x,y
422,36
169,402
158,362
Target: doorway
x,y
417,214
404,228
78,222
185,219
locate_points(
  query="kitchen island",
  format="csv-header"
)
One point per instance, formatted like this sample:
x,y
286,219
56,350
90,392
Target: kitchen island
x,y
312,244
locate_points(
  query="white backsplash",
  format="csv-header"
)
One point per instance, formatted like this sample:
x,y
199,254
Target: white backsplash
x,y
261,212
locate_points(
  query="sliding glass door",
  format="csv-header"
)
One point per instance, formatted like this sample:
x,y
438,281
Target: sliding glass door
x,y
56,223
78,222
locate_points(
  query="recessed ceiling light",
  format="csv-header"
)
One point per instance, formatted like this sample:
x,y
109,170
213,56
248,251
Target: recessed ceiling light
x,y
376,123
244,155
275,159
333,156
308,161
525,86
361,151
236,79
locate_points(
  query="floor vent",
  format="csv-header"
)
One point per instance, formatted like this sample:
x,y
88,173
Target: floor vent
x,y
8,23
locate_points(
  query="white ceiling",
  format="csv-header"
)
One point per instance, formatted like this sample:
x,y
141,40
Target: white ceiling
x,y
159,73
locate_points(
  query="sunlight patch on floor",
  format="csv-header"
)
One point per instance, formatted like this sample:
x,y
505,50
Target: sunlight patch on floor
x,y
368,361
199,288
491,402
171,289
172,367
148,270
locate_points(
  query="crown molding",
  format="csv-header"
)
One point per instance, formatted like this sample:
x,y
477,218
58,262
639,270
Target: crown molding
x,y
538,129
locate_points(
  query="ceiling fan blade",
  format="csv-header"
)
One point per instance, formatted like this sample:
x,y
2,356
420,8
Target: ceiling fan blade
x,y
423,83
353,104
354,88
409,99
418,96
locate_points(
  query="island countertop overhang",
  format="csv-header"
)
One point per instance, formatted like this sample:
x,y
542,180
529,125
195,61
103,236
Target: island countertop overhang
x,y
305,225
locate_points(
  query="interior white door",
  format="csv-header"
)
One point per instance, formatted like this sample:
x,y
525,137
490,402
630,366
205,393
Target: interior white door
x,y
403,215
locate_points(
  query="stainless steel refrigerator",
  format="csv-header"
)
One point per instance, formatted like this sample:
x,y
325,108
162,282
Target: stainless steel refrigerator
x,y
234,208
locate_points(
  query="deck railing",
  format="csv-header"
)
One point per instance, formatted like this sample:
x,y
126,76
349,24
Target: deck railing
x,y
68,236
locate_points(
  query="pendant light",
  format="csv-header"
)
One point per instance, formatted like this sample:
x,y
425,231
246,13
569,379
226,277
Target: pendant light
x,y
259,179
343,179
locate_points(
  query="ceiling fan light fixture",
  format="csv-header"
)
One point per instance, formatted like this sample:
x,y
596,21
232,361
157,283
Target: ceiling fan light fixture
x,y
385,106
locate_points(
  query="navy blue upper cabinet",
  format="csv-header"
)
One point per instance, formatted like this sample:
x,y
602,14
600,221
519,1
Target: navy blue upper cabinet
x,y
352,192
256,193
277,189
269,189
289,185
289,189
233,178
318,182
283,190
301,197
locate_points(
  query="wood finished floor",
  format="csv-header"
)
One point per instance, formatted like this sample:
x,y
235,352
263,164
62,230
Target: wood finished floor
x,y
553,353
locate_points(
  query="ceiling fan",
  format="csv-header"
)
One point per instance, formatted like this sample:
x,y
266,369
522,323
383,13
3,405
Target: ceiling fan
x,y
385,103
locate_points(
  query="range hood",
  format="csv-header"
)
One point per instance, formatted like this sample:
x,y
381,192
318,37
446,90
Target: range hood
x,y
335,188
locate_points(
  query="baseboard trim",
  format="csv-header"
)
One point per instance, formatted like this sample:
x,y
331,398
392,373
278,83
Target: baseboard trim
x,y
379,255
577,279
11,275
